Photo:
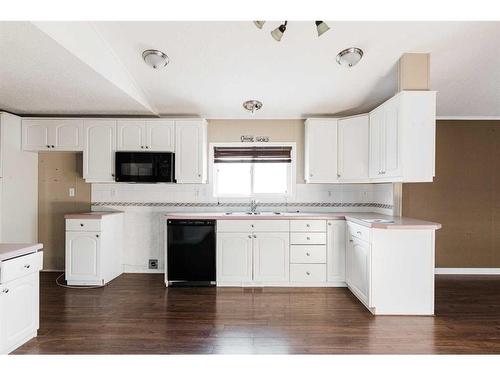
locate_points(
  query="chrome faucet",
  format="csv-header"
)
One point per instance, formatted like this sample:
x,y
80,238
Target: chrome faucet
x,y
253,205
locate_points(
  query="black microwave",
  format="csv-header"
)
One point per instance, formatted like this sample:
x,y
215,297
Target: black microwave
x,y
145,167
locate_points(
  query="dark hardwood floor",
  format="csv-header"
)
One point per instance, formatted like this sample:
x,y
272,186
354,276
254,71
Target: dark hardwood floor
x,y
137,314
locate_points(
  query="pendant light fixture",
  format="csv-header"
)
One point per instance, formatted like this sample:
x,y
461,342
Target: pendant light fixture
x,y
277,33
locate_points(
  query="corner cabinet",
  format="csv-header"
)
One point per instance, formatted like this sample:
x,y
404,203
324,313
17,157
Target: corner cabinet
x,y
402,138
191,151
99,152
52,134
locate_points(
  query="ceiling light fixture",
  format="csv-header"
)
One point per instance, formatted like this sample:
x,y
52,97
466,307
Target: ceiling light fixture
x,y
349,57
259,24
278,32
252,105
155,59
322,27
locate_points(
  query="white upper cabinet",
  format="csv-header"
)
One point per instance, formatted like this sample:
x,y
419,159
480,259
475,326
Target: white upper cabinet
x,y
146,135
99,154
320,151
131,135
402,138
191,151
52,134
160,135
353,149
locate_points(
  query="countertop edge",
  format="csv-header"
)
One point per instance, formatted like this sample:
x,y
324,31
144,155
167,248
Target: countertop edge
x,y
18,251
92,215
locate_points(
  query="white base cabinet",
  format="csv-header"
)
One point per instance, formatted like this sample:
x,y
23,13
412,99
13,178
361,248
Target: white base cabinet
x,y
19,300
391,271
94,249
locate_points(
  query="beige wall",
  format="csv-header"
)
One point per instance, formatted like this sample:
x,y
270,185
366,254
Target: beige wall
x,y
465,195
277,130
57,172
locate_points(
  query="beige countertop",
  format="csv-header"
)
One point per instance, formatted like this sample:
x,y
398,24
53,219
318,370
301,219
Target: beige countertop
x,y
91,215
362,218
13,250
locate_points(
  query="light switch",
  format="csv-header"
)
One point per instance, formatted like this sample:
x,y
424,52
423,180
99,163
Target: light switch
x,y
71,192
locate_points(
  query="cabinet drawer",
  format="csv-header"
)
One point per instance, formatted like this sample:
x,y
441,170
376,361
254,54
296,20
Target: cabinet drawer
x,y
359,231
83,225
308,254
307,273
253,226
308,238
18,267
308,225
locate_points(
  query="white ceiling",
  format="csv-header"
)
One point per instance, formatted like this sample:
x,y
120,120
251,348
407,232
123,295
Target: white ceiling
x,y
49,68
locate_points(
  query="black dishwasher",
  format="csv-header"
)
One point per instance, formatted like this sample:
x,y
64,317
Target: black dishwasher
x,y
191,252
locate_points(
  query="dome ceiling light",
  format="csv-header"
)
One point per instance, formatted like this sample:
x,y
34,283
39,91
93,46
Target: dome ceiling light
x,y
277,33
155,59
252,105
349,57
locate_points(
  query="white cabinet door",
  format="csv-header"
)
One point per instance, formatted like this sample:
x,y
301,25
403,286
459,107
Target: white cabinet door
x,y
18,311
320,151
353,148
99,154
358,268
376,132
66,135
234,257
131,135
83,256
35,135
335,258
160,135
271,257
190,151
390,144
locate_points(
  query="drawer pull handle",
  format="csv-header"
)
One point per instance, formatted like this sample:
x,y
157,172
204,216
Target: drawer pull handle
x,y
5,290
308,273
27,266
308,254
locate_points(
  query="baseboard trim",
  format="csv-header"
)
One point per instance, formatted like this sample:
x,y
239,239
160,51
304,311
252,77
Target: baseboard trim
x,y
467,271
50,270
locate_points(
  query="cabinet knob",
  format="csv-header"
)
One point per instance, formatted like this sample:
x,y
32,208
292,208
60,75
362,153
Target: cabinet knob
x,y
199,175
81,224
310,174
254,236
308,254
97,235
308,273
308,238
338,175
112,175
48,146
308,225
251,225
52,146
249,236
358,232
330,224
5,290
142,146
27,266
350,240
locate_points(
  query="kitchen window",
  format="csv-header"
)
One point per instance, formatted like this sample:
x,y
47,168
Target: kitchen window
x,y
253,171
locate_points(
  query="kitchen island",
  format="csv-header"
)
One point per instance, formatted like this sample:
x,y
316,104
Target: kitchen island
x,y
387,262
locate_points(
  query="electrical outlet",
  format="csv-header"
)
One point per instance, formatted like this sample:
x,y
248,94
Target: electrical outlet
x,y
153,264
71,192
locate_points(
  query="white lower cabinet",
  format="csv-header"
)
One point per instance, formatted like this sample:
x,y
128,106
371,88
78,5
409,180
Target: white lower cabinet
x,y
19,301
391,271
271,261
335,252
234,257
94,249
